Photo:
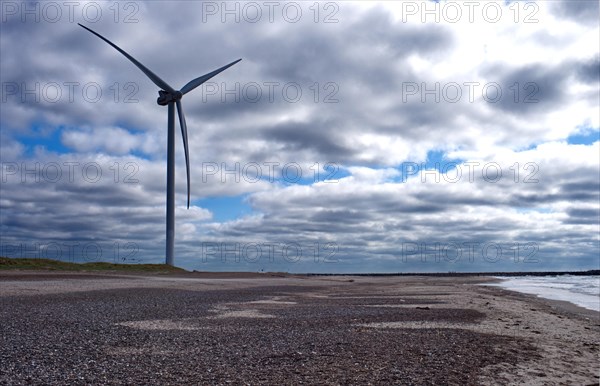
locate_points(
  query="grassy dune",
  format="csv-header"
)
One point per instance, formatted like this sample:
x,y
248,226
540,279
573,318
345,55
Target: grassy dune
x,y
55,265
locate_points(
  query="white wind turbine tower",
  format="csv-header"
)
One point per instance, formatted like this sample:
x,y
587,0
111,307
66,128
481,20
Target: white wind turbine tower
x,y
168,96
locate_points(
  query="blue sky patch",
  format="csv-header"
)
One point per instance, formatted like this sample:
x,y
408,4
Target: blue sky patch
x,y
226,208
585,138
40,135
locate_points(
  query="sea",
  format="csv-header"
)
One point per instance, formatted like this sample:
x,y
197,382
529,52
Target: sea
x,y
583,291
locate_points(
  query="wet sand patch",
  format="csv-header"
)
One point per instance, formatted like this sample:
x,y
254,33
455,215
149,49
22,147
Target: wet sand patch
x,y
161,325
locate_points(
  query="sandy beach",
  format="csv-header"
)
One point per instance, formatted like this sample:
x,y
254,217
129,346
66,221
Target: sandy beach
x,y
102,328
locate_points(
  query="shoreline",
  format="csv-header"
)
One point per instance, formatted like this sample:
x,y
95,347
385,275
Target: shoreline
x,y
549,292
564,306
154,329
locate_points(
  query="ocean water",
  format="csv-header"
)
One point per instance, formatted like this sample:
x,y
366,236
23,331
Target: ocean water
x,y
583,291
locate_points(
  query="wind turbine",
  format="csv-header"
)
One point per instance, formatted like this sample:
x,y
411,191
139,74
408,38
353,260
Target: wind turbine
x,y
168,96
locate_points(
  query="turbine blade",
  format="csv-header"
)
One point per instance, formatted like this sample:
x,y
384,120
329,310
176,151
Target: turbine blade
x,y
185,148
198,81
153,77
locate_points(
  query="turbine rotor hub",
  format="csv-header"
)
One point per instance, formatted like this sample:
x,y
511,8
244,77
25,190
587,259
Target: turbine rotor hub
x,y
165,97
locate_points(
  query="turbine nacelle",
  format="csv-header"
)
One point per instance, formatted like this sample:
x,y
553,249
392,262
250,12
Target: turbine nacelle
x,y
166,97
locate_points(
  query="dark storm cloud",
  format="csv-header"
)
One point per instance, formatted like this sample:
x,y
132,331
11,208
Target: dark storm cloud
x,y
589,72
583,216
541,88
374,35
332,216
566,193
586,11
320,136
590,186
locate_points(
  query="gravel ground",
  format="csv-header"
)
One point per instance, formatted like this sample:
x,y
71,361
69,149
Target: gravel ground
x,y
267,332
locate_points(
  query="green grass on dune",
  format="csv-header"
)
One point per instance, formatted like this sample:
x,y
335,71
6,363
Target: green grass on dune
x,y
7,263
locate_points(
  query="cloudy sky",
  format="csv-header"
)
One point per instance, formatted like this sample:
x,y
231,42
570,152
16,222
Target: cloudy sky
x,y
401,136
